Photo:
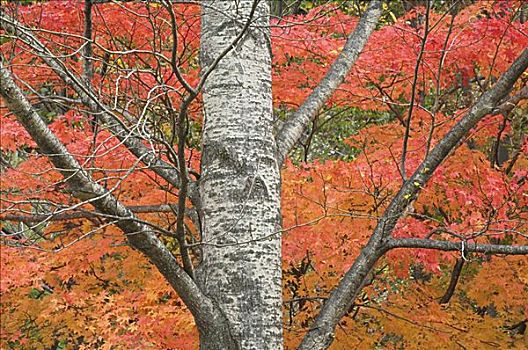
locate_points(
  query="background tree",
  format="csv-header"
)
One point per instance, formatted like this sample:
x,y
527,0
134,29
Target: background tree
x,y
186,165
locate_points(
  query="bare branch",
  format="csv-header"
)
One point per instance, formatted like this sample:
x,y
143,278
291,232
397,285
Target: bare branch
x,y
138,234
457,269
461,246
413,92
174,57
293,128
321,335
184,185
133,143
228,49
163,208
510,103
87,49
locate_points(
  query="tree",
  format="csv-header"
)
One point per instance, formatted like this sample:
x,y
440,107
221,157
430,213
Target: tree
x,y
226,225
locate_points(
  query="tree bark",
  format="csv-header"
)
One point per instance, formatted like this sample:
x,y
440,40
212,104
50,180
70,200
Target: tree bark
x,y
240,183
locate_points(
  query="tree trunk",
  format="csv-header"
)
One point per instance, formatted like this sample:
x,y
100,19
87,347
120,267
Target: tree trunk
x,y
240,183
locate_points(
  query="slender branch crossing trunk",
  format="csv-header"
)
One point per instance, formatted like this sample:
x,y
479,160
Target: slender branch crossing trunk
x,y
240,184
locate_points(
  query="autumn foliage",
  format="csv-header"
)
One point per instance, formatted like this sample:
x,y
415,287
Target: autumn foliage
x,y
76,284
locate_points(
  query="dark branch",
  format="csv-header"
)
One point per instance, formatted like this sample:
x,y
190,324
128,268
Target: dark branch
x,y
457,269
87,50
163,208
413,92
174,53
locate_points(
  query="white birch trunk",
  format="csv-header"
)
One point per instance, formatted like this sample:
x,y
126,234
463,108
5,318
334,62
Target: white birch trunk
x,y
240,184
